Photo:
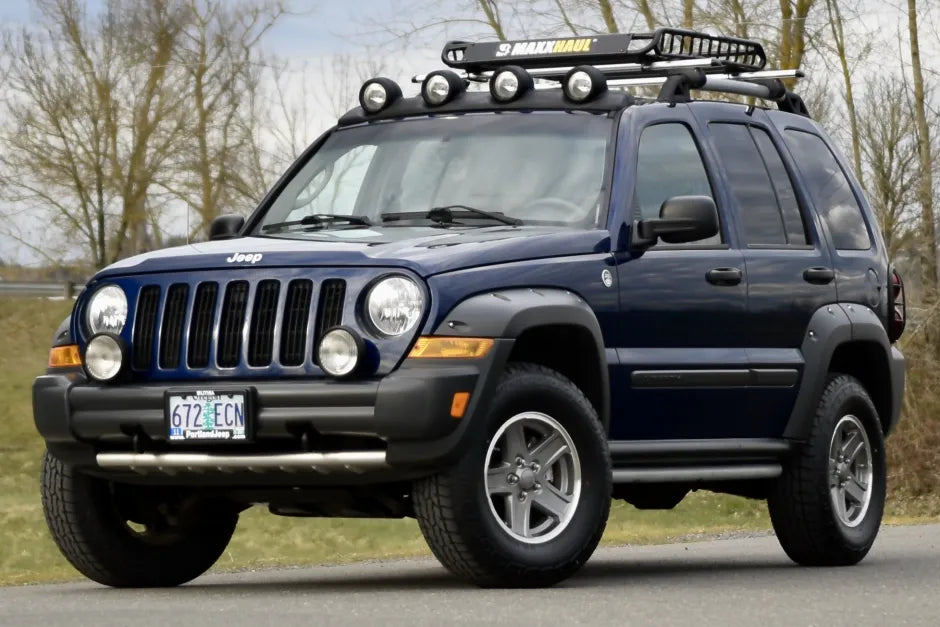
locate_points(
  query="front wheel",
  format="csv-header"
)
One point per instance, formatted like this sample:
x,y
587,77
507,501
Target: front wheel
x,y
131,537
527,503
827,506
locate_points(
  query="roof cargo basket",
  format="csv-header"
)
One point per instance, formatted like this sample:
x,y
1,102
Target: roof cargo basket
x,y
726,54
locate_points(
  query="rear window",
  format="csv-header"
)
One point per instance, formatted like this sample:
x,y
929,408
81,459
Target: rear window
x,y
830,189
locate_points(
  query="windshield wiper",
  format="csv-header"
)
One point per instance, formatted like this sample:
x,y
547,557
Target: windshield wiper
x,y
319,220
447,214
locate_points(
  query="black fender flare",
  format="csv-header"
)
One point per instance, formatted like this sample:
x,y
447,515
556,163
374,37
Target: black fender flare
x,y
829,328
509,313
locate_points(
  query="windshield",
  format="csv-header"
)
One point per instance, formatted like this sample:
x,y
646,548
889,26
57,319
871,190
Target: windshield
x,y
458,171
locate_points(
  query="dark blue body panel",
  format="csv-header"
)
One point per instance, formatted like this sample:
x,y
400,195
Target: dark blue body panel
x,y
659,314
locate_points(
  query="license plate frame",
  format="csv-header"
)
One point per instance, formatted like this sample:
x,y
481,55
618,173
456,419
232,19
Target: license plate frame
x,y
229,432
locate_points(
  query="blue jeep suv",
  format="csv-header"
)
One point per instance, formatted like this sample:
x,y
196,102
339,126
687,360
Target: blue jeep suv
x,y
494,307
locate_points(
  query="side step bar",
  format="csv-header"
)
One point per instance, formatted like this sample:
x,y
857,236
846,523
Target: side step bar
x,y
697,474
355,462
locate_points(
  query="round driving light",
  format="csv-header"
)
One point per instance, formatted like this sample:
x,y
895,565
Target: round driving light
x,y
441,86
395,305
378,93
104,357
107,310
339,352
584,82
510,83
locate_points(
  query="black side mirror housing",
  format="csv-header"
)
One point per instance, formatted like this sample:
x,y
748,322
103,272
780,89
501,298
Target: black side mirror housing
x,y
226,227
681,219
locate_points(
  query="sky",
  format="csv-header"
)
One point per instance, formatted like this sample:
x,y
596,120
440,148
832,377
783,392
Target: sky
x,y
314,30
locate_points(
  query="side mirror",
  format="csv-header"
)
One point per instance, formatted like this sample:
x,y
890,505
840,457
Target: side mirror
x,y
681,219
226,227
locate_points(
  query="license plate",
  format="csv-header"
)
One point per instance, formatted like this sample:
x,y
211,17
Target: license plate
x,y
206,415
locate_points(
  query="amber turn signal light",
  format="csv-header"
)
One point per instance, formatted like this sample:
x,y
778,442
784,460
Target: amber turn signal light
x,y
459,405
65,357
451,347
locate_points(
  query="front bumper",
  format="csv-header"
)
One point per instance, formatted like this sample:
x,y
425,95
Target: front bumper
x,y
399,422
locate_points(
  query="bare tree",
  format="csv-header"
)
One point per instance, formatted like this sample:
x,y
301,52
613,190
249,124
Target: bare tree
x,y
217,52
890,161
925,189
91,120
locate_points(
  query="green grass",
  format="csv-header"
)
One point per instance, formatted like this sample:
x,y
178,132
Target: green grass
x,y
27,553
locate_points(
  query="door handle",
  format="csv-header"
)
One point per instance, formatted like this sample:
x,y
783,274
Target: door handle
x,y
724,276
819,275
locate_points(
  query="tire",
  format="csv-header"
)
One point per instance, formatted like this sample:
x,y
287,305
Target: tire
x,y
467,518
804,503
84,517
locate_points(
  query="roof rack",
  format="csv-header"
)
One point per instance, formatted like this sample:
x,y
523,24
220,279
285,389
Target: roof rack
x,y
727,54
680,60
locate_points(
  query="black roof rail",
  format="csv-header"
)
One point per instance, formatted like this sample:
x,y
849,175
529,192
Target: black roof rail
x,y
727,54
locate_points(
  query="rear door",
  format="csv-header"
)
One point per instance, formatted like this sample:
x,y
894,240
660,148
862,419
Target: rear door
x,y
789,267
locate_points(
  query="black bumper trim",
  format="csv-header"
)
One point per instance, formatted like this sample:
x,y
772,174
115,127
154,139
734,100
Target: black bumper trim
x,y
409,407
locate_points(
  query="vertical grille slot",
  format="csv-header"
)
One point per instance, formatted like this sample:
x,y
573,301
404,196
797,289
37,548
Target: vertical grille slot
x,y
296,314
145,326
264,316
174,318
330,310
230,326
200,330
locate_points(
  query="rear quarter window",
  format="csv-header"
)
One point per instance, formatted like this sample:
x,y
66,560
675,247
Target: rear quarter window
x,y
830,190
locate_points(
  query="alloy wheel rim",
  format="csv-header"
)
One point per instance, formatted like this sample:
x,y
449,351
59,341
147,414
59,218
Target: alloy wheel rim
x,y
532,477
850,471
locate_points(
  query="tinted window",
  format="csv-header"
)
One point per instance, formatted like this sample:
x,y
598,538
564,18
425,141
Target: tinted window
x,y
669,164
750,184
786,197
830,190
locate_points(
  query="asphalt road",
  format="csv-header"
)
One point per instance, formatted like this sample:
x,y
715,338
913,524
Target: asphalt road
x,y
731,582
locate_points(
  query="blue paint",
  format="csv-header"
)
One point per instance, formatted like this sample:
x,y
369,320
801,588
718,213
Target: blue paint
x,y
660,313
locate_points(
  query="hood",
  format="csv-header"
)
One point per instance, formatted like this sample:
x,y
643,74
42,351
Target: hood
x,y
423,250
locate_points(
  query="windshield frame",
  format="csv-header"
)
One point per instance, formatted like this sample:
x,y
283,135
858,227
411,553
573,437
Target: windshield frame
x,y
253,225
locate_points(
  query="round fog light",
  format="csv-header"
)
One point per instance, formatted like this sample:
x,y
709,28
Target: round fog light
x,y
442,86
584,82
510,83
339,352
378,93
104,357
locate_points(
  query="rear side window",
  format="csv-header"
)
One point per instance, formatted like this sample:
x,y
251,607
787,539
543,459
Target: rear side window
x,y
830,190
669,164
761,187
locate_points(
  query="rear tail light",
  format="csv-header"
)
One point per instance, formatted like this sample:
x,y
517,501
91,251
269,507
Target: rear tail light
x,y
897,307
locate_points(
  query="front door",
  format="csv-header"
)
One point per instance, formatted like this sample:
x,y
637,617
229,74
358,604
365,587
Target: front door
x,y
683,365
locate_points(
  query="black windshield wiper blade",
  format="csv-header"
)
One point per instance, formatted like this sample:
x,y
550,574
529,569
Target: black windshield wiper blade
x,y
446,215
318,220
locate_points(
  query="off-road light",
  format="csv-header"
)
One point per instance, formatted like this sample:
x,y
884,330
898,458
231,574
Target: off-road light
x,y
378,93
339,351
394,305
107,310
441,86
105,357
509,83
584,82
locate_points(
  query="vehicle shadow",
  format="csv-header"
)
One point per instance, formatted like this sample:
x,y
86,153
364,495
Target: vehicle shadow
x,y
430,576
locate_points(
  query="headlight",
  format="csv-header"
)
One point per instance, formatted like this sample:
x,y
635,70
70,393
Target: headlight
x,y
395,305
339,352
104,357
107,310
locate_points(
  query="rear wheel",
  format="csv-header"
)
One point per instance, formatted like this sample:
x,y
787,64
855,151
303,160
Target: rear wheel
x,y
827,506
131,537
527,503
